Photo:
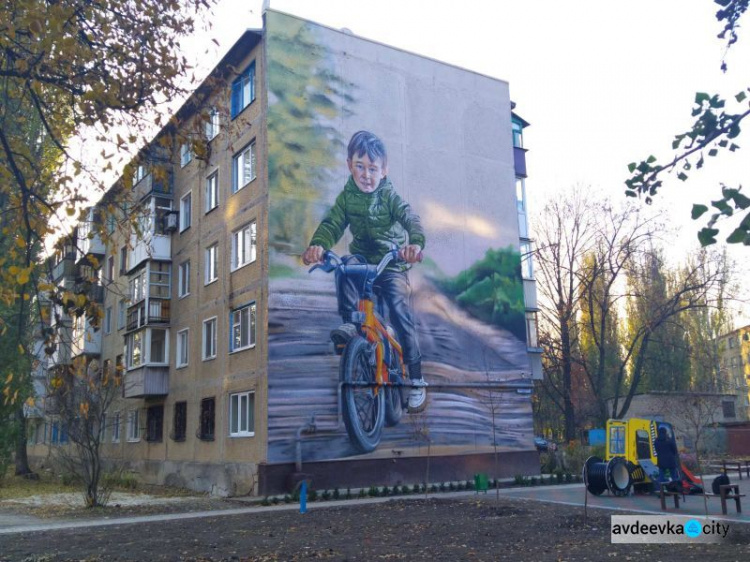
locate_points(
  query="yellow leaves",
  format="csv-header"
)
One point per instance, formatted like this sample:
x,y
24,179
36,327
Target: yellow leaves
x,y
14,270
80,300
83,408
70,211
23,277
45,287
30,402
56,382
20,242
9,379
36,27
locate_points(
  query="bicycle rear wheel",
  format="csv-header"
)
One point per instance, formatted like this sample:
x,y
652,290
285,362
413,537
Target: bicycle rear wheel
x,y
363,407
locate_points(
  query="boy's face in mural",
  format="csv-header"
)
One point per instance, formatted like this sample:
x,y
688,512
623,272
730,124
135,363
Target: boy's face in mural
x,y
367,173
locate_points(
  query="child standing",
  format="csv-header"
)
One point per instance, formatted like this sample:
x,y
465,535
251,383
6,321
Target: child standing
x,y
377,218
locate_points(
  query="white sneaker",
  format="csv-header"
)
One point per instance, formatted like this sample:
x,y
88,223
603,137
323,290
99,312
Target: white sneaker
x,y
418,395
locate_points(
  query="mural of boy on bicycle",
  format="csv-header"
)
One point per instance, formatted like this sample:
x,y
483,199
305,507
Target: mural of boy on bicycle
x,y
379,220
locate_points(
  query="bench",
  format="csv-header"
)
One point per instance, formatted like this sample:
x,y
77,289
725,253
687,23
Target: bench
x,y
664,492
736,466
726,492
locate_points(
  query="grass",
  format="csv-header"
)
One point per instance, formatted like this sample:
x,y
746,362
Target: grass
x,y
18,487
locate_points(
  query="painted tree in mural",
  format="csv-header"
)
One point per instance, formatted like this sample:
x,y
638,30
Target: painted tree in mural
x,y
716,128
305,99
72,70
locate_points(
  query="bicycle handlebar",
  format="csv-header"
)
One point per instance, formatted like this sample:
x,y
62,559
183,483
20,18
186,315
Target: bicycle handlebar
x,y
331,261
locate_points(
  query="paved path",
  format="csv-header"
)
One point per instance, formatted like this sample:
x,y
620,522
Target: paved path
x,y
568,494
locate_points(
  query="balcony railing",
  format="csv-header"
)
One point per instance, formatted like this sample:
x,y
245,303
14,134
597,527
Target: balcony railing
x,y
146,381
64,268
158,313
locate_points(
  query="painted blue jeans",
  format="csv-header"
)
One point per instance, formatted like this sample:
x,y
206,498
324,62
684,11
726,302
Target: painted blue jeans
x,y
394,289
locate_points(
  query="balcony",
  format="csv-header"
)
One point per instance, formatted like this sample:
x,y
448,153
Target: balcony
x,y
519,161
150,247
86,339
64,269
93,291
158,313
529,294
146,382
148,186
91,245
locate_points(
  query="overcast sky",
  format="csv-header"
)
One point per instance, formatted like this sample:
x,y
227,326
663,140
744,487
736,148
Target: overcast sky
x,y
602,83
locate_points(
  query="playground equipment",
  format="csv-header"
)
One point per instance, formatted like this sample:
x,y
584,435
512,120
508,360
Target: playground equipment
x,y
630,460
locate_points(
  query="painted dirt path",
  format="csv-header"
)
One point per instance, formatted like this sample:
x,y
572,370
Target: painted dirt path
x,y
303,376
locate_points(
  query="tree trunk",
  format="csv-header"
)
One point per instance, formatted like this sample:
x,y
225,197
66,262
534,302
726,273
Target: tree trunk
x,y
22,458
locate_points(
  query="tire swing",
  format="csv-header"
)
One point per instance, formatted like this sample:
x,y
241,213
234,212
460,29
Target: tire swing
x,y
613,476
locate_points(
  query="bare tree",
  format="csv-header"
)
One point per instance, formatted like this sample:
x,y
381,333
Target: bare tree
x,y
565,233
79,400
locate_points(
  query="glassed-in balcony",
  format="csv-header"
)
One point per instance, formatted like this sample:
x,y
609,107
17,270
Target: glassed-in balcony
x,y
153,311
145,382
87,340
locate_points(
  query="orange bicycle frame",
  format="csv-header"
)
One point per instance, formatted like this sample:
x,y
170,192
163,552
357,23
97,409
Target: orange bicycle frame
x,y
374,331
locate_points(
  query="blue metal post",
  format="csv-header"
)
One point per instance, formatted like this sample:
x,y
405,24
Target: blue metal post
x,y
303,497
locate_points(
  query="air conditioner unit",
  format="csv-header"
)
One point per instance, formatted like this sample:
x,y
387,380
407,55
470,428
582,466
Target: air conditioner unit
x,y
172,222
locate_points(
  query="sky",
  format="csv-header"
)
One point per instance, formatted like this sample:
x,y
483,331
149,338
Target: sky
x,y
601,83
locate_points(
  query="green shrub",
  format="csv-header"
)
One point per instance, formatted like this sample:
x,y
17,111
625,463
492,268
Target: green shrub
x,y
325,496
372,492
265,501
312,495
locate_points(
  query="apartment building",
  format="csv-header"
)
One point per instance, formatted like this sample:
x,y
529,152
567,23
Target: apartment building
x,y
230,383
734,360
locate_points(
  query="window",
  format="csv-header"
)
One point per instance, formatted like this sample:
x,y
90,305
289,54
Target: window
x,y
154,423
243,328
527,265
212,192
122,309
642,444
183,348
243,90
134,349
243,246
180,421
158,346
183,279
212,264
111,268
617,440
241,414
517,134
186,154
140,173
727,409
123,259
213,123
531,329
243,167
108,320
523,226
137,287
111,223
209,338
159,280
134,429
208,419
186,206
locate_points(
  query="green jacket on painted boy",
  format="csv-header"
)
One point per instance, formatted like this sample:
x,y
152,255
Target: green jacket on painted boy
x,y
376,220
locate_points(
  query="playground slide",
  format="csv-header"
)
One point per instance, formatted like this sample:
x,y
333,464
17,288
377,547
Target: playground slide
x,y
690,481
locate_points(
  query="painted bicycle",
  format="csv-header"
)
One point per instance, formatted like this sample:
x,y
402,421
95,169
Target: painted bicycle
x,y
371,370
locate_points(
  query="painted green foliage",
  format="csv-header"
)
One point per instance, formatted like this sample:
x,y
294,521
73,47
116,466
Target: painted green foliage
x,y
492,290
306,98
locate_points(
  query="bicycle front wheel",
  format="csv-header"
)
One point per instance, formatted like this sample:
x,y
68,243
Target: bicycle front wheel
x,y
363,403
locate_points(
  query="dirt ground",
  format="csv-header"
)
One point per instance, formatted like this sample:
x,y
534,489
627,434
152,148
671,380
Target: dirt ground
x,y
435,529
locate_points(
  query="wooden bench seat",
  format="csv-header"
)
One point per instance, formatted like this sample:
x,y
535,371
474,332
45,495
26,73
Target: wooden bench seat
x,y
726,492
664,492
